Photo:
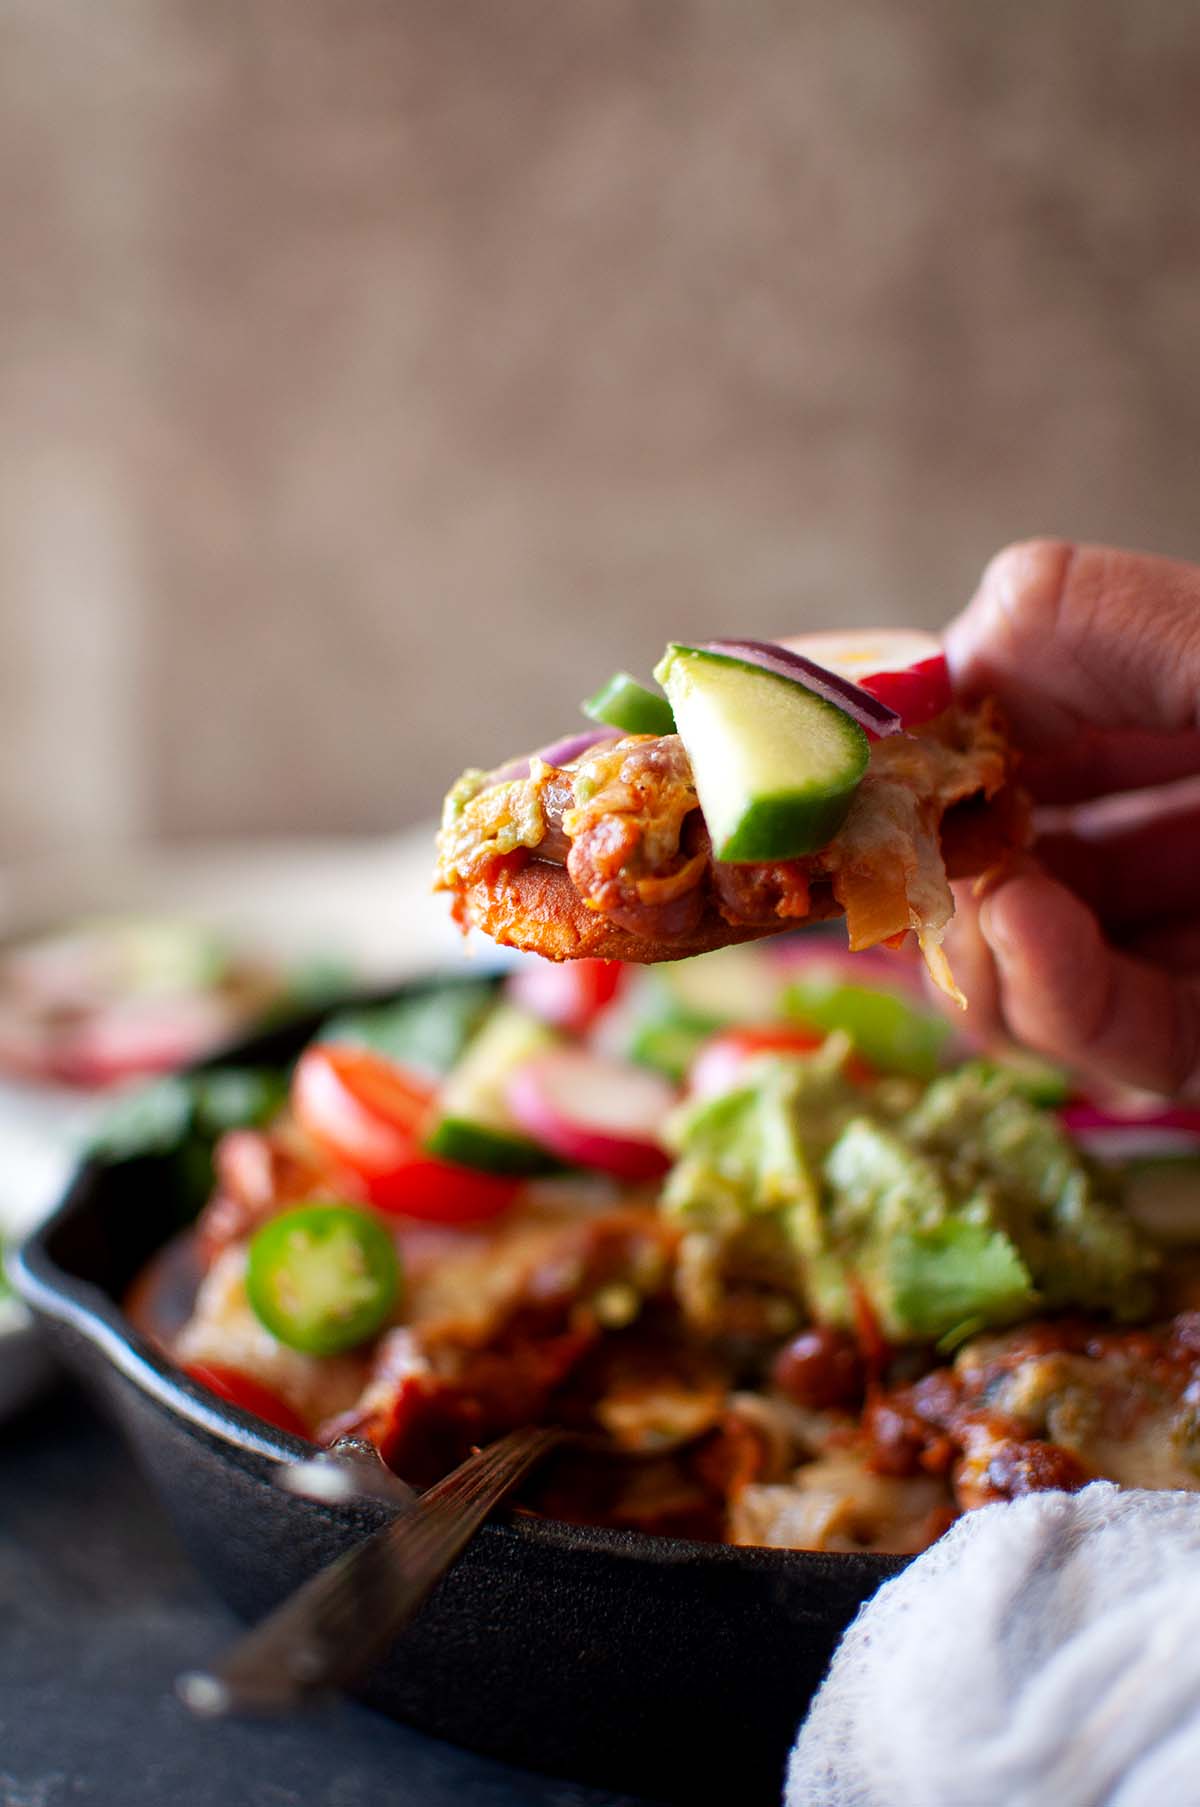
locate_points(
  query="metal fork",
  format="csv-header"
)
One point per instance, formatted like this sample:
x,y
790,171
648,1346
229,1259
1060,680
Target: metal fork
x,y
336,1625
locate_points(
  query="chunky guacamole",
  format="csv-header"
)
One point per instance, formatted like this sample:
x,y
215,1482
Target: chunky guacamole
x,y
944,1209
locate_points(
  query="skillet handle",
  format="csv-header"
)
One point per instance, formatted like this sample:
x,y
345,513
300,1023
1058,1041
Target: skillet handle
x,y
342,1620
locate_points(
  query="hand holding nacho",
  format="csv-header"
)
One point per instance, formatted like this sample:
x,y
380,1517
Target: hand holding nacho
x,y
1092,954
765,786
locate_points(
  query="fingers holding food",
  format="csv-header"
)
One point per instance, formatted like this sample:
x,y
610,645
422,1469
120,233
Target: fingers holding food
x,y
1065,992
1094,655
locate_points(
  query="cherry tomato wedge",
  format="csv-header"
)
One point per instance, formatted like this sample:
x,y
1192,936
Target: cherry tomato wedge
x,y
250,1394
367,1114
570,995
717,1065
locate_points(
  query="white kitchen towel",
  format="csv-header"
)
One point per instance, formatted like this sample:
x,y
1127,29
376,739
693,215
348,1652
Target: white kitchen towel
x,y
1044,1653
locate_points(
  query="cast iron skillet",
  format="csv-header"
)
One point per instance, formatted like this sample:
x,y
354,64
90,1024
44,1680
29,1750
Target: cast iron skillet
x,y
666,1668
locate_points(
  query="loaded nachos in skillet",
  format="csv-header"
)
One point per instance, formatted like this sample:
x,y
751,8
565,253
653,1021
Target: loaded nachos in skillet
x,y
765,1199
766,785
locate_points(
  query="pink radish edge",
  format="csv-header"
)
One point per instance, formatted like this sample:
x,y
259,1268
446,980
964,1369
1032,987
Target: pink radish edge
x,y
593,1112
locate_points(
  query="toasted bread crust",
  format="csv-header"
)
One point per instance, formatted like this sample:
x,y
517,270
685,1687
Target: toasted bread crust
x,y
536,908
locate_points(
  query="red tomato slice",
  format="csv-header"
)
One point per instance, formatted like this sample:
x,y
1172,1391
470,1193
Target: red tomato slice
x,y
250,1394
917,695
570,995
367,1115
361,1109
716,1067
435,1191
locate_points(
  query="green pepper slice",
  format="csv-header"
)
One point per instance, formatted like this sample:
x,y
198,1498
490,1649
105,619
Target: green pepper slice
x,y
894,1035
322,1278
624,703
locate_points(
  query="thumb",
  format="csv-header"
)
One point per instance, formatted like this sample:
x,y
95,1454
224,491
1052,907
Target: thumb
x,y
1064,991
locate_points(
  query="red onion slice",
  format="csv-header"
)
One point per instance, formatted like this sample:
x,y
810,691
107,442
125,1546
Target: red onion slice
x,y
562,752
781,662
559,752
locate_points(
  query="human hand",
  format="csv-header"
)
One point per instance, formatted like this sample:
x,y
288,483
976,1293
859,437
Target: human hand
x,y
1089,951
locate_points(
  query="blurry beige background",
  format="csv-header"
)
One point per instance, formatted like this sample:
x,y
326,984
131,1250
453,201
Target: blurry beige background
x,y
375,377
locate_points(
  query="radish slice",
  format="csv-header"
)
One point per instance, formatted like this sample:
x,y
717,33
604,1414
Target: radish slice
x,y
140,1036
594,1112
719,1063
1160,1152
1163,1134
859,652
883,969
1081,1119
902,667
571,995
1120,1142
876,718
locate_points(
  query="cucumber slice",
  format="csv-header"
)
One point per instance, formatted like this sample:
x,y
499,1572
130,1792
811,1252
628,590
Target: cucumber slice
x,y
776,766
624,703
474,1127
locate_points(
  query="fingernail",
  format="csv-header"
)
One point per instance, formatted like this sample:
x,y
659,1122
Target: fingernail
x,y
993,927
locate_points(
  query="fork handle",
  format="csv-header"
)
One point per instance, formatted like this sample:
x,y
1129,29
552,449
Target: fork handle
x,y
327,1633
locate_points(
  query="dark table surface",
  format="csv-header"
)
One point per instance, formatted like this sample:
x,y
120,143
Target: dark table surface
x,y
99,1610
